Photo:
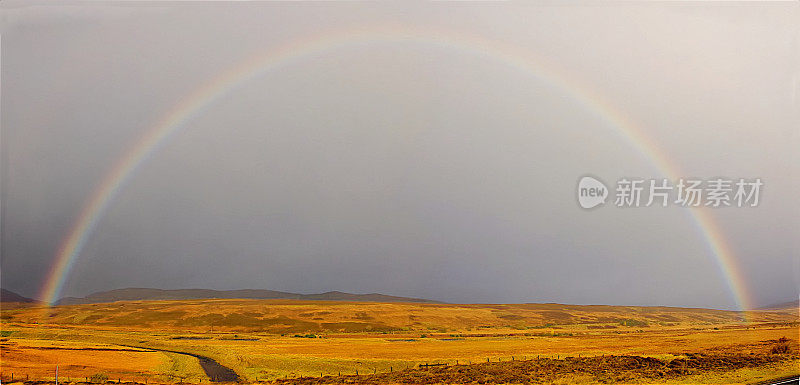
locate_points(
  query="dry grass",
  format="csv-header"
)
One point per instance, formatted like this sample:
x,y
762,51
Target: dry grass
x,y
257,338
598,369
287,316
37,359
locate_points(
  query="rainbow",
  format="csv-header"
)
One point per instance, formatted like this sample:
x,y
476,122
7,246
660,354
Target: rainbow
x,y
194,104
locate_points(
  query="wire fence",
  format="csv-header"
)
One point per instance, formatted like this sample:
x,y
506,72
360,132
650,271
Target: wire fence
x,y
7,377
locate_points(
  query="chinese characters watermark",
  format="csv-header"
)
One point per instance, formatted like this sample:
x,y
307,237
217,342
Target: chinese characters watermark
x,y
685,192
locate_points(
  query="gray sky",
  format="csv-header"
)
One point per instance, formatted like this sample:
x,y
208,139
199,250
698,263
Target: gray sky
x,y
400,167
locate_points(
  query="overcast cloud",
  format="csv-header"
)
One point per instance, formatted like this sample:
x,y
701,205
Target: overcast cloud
x,y
403,168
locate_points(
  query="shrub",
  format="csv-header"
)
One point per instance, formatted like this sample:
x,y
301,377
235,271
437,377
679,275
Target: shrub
x,y
99,377
305,336
782,347
632,322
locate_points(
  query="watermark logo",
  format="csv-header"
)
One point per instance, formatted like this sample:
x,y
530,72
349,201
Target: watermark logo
x,y
591,192
685,192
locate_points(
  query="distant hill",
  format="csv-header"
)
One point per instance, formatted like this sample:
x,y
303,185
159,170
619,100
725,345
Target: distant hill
x,y
10,296
138,294
782,305
303,317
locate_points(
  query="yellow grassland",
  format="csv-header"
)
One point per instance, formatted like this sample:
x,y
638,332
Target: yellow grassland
x,y
272,339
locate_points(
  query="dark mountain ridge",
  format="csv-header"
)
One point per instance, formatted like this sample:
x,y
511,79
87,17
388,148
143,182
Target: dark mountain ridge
x,y
781,305
10,296
148,294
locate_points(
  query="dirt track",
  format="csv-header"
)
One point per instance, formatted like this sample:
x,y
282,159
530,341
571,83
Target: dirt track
x,y
214,370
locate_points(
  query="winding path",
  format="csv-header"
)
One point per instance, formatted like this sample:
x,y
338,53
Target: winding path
x,y
783,381
214,370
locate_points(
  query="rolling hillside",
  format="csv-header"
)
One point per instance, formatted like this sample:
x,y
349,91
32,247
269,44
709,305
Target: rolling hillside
x,y
303,316
161,341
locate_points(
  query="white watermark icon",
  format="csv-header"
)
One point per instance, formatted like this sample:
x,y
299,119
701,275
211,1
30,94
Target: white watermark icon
x,y
591,192
685,192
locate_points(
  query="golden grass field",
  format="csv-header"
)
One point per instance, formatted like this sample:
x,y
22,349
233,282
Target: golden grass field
x,y
266,340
